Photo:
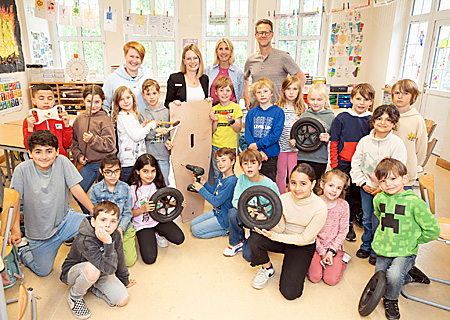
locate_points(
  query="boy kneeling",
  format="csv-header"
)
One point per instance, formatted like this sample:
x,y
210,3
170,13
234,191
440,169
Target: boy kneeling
x,y
96,261
405,222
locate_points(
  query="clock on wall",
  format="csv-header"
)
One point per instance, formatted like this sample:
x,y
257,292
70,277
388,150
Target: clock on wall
x,y
77,69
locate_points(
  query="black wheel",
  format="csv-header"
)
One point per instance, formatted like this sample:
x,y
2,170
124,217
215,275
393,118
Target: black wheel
x,y
168,204
306,133
372,293
260,207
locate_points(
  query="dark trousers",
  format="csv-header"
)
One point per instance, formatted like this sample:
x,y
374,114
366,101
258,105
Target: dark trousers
x,y
269,168
147,239
295,263
353,196
319,168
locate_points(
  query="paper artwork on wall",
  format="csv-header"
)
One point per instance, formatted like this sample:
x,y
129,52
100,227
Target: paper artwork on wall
x,y
41,51
154,22
128,23
140,24
110,20
11,55
76,17
89,19
39,11
11,96
64,15
51,13
167,26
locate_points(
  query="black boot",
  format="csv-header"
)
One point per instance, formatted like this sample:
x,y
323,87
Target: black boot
x,y
351,235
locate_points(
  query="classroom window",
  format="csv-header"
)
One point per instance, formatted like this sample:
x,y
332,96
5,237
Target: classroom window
x,y
300,36
236,13
415,44
160,52
421,7
444,5
87,43
440,72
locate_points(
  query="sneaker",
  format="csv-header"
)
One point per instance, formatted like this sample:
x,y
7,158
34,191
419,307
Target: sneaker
x,y
263,275
391,307
79,308
373,260
69,242
418,276
231,251
346,257
23,242
351,235
363,254
161,241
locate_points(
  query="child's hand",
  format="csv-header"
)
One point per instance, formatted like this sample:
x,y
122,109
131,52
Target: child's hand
x,y
184,204
31,121
325,137
82,159
229,117
175,102
14,238
146,122
327,259
209,99
197,186
162,130
202,180
87,136
263,232
264,156
253,146
148,206
169,145
132,283
213,116
292,143
65,118
102,235
376,191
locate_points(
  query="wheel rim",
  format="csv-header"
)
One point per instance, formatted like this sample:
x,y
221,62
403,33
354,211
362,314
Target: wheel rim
x,y
308,133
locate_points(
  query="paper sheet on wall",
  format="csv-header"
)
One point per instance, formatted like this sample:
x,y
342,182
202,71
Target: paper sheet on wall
x,y
89,20
167,26
51,14
153,24
140,24
39,11
110,20
77,17
10,95
128,23
64,15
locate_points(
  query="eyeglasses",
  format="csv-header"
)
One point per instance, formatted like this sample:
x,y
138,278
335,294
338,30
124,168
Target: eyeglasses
x,y
110,173
263,33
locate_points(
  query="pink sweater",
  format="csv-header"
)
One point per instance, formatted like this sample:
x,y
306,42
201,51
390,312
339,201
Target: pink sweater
x,y
335,229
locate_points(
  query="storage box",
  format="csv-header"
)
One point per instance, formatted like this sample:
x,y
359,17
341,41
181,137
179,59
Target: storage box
x,y
338,89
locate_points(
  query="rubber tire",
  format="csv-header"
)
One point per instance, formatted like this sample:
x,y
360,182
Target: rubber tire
x,y
161,196
300,124
274,200
372,293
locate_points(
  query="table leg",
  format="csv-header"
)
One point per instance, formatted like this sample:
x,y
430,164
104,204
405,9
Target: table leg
x,y
8,167
13,161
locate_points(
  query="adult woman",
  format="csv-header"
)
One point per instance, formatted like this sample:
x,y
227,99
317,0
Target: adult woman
x,y
131,75
223,66
190,84
304,215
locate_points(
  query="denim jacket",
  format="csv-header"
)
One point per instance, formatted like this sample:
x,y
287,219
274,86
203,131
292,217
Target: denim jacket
x,y
121,196
236,77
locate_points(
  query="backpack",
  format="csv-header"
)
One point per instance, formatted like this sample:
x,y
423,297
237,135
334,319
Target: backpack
x,y
12,267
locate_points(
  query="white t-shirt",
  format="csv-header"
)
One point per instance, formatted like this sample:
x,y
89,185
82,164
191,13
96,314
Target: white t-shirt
x,y
194,94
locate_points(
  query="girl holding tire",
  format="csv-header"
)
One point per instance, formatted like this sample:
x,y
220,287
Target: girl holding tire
x,y
304,215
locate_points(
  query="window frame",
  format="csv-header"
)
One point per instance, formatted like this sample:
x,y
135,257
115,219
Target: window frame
x,y
154,39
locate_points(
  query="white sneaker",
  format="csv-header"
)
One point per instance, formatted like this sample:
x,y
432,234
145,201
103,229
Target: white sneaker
x,y
161,241
231,251
261,278
346,257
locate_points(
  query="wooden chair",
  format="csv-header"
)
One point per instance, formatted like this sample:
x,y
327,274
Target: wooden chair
x,y
431,126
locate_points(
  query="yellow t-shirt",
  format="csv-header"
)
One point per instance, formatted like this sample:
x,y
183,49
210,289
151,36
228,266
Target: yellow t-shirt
x,y
225,136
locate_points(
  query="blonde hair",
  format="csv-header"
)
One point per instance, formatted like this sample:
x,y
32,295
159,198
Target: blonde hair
x,y
230,46
299,104
116,99
136,46
322,90
223,82
196,50
406,85
150,83
327,176
263,82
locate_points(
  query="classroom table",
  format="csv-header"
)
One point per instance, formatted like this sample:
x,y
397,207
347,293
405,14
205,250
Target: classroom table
x,y
11,139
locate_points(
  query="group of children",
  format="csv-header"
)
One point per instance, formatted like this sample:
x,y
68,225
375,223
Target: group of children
x,y
312,229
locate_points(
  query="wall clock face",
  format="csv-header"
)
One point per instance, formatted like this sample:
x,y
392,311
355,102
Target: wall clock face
x,y
77,69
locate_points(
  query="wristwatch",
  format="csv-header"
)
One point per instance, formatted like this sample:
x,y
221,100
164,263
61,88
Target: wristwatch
x,y
332,251
231,122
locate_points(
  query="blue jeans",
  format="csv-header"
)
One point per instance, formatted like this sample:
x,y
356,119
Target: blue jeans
x,y
370,221
89,172
213,169
237,233
397,276
40,255
164,166
126,171
207,226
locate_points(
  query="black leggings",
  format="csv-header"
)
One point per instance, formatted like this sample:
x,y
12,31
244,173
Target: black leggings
x,y
295,263
147,239
353,196
269,168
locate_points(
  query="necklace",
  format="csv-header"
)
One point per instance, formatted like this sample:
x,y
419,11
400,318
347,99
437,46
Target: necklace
x,y
193,81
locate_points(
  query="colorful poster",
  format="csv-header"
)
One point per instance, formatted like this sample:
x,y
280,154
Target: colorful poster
x,y
140,24
51,13
10,96
110,20
64,15
39,10
167,26
77,18
11,55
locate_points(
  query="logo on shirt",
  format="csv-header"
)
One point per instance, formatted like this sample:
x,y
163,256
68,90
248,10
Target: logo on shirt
x,y
412,136
58,126
389,221
262,126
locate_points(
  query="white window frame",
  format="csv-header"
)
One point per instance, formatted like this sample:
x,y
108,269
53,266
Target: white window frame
x,y
321,65
248,38
154,39
79,38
